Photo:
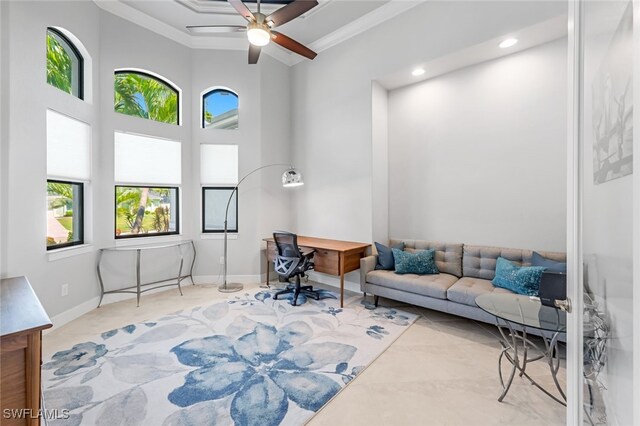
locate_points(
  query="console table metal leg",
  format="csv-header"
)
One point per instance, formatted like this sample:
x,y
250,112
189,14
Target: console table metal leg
x,y
100,277
180,270
193,262
138,276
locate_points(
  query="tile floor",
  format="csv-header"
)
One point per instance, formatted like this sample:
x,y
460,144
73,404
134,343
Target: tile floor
x,y
441,371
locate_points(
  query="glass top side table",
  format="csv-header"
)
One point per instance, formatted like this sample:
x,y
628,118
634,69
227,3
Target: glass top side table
x,y
515,313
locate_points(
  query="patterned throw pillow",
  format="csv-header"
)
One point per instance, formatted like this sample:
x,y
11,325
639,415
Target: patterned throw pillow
x,y
420,262
519,279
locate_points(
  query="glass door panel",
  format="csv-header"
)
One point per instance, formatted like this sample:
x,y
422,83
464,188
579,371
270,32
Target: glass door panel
x,y
606,207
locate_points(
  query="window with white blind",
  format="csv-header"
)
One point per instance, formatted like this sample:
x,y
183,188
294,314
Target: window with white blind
x,y
68,170
219,175
148,172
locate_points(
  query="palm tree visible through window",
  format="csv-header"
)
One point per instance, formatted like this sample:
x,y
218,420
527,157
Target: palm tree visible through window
x,y
64,63
142,95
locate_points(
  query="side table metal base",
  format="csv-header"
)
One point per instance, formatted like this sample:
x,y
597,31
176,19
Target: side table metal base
x,y
510,351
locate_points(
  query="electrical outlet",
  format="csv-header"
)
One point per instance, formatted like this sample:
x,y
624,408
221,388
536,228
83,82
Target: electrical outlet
x,y
64,289
222,260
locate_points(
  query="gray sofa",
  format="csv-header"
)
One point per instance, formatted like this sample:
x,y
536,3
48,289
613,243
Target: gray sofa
x,y
466,272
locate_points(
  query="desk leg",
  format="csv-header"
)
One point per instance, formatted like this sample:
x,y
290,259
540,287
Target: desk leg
x,y
268,272
342,279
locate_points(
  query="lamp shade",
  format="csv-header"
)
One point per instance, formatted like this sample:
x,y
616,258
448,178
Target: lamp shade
x,y
292,178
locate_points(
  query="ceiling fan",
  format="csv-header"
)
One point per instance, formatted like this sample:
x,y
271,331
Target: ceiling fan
x,y
260,27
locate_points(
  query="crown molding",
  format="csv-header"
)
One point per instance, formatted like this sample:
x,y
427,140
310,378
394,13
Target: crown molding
x,y
376,17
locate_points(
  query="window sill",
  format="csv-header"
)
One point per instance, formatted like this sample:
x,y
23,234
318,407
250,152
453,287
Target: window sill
x,y
219,236
63,253
137,241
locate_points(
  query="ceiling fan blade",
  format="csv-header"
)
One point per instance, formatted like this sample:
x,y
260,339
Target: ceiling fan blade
x,y
254,53
215,29
292,45
242,9
290,11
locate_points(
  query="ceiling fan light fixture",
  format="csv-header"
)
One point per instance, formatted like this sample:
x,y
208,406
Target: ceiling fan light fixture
x,y
258,34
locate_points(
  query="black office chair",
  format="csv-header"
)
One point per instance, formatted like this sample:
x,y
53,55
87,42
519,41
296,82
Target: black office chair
x,y
291,262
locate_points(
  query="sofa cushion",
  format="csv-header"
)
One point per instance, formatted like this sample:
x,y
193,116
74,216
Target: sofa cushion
x,y
466,289
420,262
448,255
427,285
480,261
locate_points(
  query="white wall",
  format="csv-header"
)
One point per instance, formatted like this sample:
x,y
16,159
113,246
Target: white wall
x,y
115,43
380,163
29,97
608,220
332,103
478,155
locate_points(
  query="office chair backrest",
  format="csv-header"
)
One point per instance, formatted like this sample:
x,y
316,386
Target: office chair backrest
x,y
287,244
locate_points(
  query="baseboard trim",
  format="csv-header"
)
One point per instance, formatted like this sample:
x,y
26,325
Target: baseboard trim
x,y
217,279
91,304
71,314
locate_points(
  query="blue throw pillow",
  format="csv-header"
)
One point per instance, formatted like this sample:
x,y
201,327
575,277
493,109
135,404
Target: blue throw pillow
x,y
519,279
420,262
552,266
385,256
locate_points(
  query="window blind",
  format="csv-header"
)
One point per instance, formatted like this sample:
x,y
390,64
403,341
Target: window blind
x,y
68,147
147,160
219,164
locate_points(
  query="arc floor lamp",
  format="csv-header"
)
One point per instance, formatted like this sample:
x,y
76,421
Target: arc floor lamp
x,y
290,178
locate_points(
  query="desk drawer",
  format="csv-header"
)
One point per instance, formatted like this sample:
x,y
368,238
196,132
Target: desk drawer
x,y
327,262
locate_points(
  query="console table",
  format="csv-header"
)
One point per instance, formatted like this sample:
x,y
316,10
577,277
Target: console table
x,y
22,319
333,257
137,288
516,313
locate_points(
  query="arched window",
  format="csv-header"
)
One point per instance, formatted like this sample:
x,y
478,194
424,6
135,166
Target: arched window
x,y
141,94
220,109
64,64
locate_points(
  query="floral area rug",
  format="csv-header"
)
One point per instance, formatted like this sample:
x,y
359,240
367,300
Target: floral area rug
x,y
250,360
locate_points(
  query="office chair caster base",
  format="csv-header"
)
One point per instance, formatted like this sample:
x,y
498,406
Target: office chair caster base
x,y
230,287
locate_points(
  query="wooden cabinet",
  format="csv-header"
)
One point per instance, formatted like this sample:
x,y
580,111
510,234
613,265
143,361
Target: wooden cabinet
x,y
22,319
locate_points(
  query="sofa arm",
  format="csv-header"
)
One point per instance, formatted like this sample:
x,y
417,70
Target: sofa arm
x,y
367,264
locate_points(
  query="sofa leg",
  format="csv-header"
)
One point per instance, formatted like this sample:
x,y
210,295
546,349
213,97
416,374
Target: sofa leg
x,y
375,301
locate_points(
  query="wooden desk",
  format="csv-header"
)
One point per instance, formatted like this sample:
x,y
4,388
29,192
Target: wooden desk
x,y
22,319
333,257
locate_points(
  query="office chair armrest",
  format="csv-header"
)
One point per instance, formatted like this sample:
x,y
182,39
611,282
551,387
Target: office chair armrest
x,y
367,264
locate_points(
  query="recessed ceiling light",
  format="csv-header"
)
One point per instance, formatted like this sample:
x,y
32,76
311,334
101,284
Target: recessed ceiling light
x,y
508,43
417,72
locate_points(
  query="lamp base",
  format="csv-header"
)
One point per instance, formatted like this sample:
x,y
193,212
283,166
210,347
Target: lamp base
x,y
230,287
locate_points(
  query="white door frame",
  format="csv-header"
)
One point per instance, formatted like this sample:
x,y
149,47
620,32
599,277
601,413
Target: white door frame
x,y
636,212
574,215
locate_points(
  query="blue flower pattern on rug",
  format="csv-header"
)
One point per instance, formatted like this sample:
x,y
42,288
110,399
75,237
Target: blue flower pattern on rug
x,y
250,360
263,362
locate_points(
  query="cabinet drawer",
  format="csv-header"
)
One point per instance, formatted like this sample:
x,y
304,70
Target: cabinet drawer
x,y
327,261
